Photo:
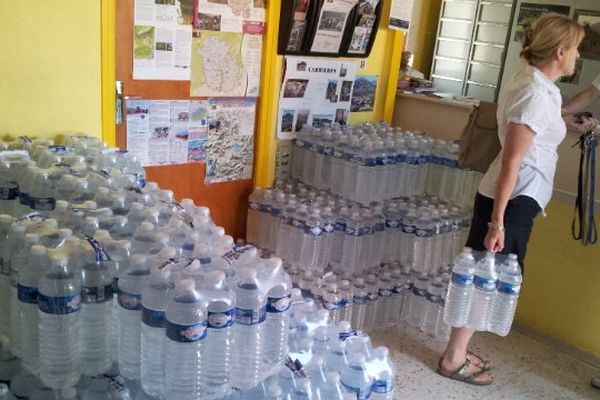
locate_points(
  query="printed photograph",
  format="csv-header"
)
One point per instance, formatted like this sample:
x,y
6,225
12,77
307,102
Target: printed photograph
x,y
143,42
295,88
164,46
209,22
529,11
160,132
322,120
137,110
341,116
186,12
363,93
196,150
214,125
301,66
367,21
287,120
296,36
332,21
259,3
181,133
301,119
357,41
343,71
331,90
367,7
346,91
590,47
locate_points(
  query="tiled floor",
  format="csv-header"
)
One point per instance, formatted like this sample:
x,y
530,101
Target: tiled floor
x,y
524,368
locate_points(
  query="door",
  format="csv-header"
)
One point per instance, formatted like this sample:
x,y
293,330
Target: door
x,y
228,202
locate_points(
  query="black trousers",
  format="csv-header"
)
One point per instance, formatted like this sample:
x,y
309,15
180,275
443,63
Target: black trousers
x,y
518,222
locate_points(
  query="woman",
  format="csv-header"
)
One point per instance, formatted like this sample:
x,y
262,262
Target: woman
x,y
518,184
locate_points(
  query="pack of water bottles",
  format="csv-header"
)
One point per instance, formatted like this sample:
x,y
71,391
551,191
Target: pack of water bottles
x,y
375,162
315,230
483,292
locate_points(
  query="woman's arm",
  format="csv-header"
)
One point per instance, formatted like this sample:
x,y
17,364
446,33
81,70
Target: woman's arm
x,y
581,100
518,141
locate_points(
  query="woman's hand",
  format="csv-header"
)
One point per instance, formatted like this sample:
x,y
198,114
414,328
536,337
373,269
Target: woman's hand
x,y
494,240
580,123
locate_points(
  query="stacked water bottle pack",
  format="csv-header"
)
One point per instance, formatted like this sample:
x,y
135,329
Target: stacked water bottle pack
x,y
315,230
110,279
483,294
367,162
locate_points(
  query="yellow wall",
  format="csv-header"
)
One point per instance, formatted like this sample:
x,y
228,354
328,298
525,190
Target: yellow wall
x,y
50,80
561,292
428,23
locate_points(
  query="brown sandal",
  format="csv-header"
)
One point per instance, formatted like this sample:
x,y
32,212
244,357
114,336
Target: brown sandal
x,y
461,374
482,363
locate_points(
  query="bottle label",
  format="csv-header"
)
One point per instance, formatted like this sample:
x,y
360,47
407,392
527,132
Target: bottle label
x,y
276,212
509,288
314,230
408,228
90,295
186,333
382,386
385,292
487,285
390,223
278,304
328,228
101,254
353,232
59,305
332,305
42,203
253,205
250,317
234,254
298,223
380,227
24,199
425,232
397,289
361,394
9,193
461,279
130,301
265,208
418,292
433,298
221,320
141,182
348,334
153,318
340,225
27,294
373,296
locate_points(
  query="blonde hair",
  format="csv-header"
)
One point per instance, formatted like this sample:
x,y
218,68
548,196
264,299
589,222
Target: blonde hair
x,y
546,34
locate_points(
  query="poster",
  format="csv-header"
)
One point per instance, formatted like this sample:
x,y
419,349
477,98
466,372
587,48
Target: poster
x,y
299,25
315,92
590,47
162,35
400,14
366,24
225,64
331,25
530,11
163,132
239,16
574,79
363,93
230,144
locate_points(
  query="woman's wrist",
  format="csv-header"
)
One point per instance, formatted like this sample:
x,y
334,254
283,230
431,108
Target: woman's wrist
x,y
495,227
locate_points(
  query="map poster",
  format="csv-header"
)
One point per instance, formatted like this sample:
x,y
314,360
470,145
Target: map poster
x,y
240,16
315,92
162,36
163,132
331,25
400,14
230,146
225,64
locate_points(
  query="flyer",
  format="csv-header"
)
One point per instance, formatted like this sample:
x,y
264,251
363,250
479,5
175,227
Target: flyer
x,y
299,25
230,145
400,14
225,64
239,16
162,36
366,24
331,25
163,132
315,92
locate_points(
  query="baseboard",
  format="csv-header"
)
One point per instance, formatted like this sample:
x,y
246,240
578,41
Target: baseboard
x,y
581,355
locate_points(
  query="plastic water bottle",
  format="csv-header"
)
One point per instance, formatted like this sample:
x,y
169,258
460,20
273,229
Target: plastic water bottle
x,y
417,300
346,292
333,389
59,302
386,299
484,292
250,315
5,246
432,307
186,330
276,326
359,306
505,302
156,294
382,387
28,281
5,392
217,351
355,379
460,290
131,283
332,301
372,284
253,219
